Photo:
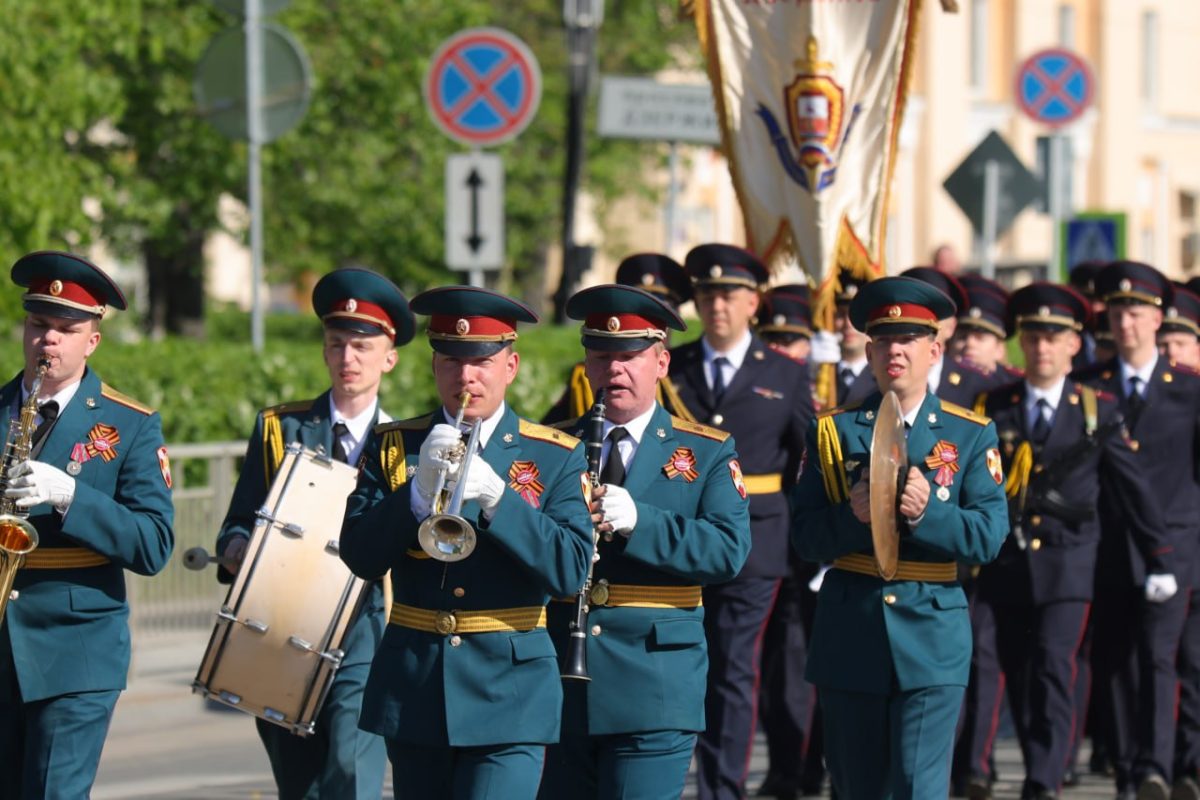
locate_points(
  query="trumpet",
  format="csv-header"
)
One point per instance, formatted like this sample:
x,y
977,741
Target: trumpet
x,y
445,535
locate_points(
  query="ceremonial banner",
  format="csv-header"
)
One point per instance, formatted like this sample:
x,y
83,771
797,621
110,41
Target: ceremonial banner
x,y
810,97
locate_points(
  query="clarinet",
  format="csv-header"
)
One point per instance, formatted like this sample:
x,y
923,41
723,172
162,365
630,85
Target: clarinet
x,y
575,660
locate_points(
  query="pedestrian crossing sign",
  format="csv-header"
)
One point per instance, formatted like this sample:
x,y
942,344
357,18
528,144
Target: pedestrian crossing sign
x,y
1096,236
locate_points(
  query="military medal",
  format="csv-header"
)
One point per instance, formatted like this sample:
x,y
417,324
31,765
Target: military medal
x,y
943,494
682,462
523,478
943,458
102,441
74,468
79,455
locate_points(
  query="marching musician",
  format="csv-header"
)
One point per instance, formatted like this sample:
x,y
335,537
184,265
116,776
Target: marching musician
x,y
1060,441
364,317
662,277
731,380
672,515
97,487
1141,598
465,688
890,658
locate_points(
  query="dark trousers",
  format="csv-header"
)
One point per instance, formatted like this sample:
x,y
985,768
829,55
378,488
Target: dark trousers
x,y
1135,644
786,700
735,616
895,746
495,772
1038,648
981,704
1085,714
1187,734
338,759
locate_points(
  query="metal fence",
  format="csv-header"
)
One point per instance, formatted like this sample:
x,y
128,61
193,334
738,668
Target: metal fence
x,y
179,599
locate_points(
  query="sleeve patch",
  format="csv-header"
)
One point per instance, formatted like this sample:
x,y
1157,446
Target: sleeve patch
x,y
164,466
735,472
994,466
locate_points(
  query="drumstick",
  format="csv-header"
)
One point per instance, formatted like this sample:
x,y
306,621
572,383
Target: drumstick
x,y
198,558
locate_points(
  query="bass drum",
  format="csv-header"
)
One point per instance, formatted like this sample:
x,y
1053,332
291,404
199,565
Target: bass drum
x,y
277,641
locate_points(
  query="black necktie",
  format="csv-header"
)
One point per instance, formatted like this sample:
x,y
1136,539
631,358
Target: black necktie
x,y
1136,399
1041,422
847,376
339,450
48,412
718,386
614,468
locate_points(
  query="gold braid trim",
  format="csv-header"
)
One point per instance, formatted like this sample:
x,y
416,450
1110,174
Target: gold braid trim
x,y
1018,471
1087,396
826,390
272,446
829,451
668,397
391,457
582,398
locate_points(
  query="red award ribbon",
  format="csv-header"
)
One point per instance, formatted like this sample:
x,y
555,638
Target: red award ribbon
x,y
943,458
102,441
523,478
682,462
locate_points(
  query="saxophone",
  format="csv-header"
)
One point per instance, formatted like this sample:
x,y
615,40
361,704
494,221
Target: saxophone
x,y
17,534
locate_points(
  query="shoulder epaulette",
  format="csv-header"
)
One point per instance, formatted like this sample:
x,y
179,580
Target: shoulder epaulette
x,y
109,393
411,424
566,424
288,408
964,413
829,412
544,433
716,434
1184,369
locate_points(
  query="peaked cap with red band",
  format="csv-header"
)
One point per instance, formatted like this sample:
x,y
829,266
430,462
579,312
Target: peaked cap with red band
x,y
1044,306
621,318
897,306
467,321
362,301
65,285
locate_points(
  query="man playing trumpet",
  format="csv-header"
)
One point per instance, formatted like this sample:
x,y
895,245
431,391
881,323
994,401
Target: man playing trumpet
x,y
890,657
672,515
465,688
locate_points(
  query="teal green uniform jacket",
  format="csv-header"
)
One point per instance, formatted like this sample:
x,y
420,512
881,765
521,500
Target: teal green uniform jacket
x,y
70,627
648,665
478,688
862,642
307,422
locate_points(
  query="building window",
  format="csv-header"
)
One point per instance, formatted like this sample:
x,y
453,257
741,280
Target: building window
x,y
1066,26
1150,57
979,42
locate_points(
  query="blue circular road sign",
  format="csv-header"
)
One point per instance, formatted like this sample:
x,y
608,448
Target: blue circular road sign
x,y
1055,87
483,86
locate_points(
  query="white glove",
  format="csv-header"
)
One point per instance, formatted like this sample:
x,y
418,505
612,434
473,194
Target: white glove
x,y
484,486
619,509
32,483
817,580
1161,587
433,460
825,348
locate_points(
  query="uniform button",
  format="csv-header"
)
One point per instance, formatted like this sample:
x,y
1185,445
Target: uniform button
x,y
717,419
1038,468
890,599
459,591
1035,545
1035,520
455,640
595,630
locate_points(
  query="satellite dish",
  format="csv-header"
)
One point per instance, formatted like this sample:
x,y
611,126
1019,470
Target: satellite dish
x,y
220,87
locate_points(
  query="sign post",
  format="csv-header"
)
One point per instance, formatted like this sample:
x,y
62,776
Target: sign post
x,y
482,89
1054,87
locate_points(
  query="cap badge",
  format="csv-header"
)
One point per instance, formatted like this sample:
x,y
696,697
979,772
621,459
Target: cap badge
x,y
351,305
779,319
462,327
1043,311
1125,285
613,324
975,313
894,312
852,290
647,279
56,287
1172,312
714,272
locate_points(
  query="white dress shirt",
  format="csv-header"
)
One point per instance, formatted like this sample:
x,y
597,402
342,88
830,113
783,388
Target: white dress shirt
x,y
734,355
627,448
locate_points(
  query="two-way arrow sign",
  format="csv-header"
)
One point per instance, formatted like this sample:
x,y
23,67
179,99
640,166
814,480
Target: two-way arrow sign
x,y
474,212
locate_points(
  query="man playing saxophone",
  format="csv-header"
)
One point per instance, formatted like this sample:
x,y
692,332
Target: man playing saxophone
x,y
97,488
672,515
465,687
